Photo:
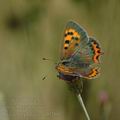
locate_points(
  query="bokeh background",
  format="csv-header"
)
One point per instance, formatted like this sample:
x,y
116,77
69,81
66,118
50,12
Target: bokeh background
x,y
33,29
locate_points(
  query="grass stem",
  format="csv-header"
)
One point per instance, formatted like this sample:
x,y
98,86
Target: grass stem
x,y
83,106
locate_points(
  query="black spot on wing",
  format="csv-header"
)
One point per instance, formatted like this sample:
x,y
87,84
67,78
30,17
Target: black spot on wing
x,y
67,41
76,44
70,33
65,35
65,48
98,51
75,38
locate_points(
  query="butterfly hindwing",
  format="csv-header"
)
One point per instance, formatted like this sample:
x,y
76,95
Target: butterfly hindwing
x,y
95,49
88,55
84,58
74,35
89,73
85,72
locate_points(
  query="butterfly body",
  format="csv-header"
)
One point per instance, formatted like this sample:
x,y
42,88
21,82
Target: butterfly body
x,y
80,54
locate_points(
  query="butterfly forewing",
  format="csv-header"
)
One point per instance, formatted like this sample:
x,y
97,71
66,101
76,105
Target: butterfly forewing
x,y
74,35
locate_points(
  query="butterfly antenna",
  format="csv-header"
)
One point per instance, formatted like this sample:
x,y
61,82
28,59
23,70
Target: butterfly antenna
x,y
46,59
44,77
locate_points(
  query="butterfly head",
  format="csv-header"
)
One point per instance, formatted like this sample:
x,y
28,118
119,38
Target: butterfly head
x,y
65,72
61,66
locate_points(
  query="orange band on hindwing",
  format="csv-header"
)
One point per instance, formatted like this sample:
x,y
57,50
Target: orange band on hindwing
x,y
94,72
97,51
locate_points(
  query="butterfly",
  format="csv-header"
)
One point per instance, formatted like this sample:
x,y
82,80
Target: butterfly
x,y
80,54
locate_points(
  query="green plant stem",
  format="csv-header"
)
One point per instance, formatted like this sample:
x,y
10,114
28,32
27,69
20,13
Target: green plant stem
x,y
83,106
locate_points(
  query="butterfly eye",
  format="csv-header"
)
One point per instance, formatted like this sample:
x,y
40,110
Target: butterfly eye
x,y
65,62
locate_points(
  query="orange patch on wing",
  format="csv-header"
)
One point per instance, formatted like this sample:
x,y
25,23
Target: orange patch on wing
x,y
70,49
71,30
71,39
66,31
94,72
97,51
68,37
66,45
72,46
76,34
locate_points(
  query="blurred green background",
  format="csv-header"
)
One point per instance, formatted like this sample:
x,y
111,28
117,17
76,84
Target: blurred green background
x,y
33,29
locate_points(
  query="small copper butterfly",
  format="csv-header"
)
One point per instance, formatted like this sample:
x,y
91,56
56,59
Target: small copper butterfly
x,y
80,54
